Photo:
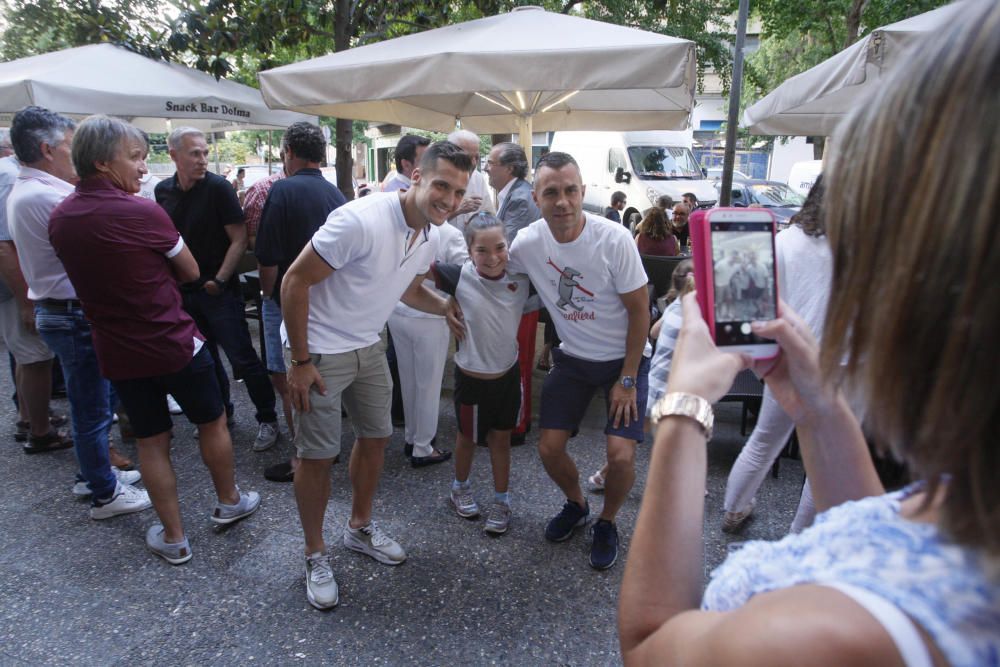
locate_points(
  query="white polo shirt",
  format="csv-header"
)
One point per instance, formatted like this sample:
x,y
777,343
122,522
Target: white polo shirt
x,y
580,283
367,243
31,202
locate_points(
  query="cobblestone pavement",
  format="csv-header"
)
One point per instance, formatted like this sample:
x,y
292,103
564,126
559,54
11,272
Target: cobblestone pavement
x,y
74,590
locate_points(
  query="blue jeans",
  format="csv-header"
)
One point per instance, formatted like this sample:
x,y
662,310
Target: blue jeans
x,y
222,320
67,333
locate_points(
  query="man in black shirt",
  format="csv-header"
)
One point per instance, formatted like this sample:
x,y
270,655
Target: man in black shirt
x,y
207,213
296,207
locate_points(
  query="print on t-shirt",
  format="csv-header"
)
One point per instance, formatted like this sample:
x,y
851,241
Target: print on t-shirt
x,y
569,279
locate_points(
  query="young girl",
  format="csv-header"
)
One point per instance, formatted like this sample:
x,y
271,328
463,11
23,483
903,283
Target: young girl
x,y
487,379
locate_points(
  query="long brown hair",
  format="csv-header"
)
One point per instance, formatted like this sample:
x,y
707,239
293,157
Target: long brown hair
x,y
654,225
810,217
915,301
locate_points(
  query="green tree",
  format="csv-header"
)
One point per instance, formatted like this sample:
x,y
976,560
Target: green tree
x,y
40,26
798,35
242,37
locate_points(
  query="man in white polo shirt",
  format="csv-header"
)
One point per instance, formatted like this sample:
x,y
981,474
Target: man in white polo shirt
x,y
336,298
589,275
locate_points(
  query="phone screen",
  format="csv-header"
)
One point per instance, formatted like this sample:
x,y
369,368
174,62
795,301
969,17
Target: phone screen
x,y
743,273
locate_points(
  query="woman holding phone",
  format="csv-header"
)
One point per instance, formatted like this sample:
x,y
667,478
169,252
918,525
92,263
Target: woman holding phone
x,y
906,578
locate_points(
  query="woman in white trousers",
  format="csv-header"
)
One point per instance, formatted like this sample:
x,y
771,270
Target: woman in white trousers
x,y
805,269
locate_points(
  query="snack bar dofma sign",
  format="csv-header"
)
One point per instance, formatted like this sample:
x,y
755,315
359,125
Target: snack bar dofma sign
x,y
202,107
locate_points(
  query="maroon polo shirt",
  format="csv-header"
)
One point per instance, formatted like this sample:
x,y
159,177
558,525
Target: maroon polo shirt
x,y
114,246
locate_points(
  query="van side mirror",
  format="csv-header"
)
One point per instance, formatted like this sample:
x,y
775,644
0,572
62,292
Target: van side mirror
x,y
622,176
737,194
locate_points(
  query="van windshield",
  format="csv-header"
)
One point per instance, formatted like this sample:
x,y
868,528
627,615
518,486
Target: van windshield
x,y
662,163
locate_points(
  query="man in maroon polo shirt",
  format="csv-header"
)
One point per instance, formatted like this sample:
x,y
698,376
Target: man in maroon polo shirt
x,y
122,253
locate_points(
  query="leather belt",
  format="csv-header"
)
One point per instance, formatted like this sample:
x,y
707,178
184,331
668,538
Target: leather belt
x,y
60,304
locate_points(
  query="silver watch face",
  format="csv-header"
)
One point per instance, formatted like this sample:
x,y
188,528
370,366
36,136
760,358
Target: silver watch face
x,y
628,381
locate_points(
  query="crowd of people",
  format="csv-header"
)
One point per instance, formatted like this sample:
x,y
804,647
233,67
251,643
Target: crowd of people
x,y
139,299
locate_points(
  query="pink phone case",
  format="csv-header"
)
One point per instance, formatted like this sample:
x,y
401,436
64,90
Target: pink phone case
x,y
701,248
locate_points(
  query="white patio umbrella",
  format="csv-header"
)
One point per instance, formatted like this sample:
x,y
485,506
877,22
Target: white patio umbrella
x,y
103,78
528,70
813,103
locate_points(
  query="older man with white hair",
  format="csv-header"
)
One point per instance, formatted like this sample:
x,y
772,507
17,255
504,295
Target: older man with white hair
x,y
477,195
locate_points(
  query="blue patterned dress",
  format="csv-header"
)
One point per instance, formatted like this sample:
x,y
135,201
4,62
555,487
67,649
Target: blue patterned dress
x,y
951,591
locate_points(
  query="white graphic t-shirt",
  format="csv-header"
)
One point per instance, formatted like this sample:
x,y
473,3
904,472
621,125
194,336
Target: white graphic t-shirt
x,y
580,283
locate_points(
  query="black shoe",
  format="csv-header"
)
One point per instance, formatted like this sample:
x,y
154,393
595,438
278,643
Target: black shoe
x,y
604,550
408,450
562,525
422,461
280,472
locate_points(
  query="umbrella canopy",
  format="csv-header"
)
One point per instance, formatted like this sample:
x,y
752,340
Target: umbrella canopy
x,y
501,74
813,103
103,78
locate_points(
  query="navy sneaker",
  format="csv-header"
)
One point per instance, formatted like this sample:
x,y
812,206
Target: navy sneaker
x,y
562,525
604,550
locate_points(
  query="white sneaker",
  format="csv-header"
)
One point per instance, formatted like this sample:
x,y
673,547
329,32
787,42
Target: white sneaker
x,y
125,477
173,406
321,587
127,499
371,541
266,436
464,504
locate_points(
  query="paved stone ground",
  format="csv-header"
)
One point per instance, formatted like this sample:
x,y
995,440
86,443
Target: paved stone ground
x,y
77,590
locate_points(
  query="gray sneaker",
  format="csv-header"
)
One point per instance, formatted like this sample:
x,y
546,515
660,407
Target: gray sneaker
x,y
371,541
126,499
267,435
498,519
175,554
225,514
464,504
128,477
321,587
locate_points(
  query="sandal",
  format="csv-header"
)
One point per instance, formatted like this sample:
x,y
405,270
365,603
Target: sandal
x,y
50,442
119,460
24,428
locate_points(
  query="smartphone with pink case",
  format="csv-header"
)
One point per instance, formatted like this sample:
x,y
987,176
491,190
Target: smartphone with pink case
x,y
736,276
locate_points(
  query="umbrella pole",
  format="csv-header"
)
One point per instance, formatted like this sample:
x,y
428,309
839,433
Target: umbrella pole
x,y
215,142
729,157
269,152
524,137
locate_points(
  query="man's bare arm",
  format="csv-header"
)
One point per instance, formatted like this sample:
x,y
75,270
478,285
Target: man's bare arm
x,y
307,270
418,296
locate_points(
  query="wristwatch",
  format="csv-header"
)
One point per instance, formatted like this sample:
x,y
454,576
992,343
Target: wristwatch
x,y
627,381
302,362
685,405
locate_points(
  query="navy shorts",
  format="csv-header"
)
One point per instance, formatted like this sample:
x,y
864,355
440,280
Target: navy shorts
x,y
571,384
194,387
482,405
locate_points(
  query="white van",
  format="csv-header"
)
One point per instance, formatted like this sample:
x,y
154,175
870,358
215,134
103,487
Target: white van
x,y
643,165
803,174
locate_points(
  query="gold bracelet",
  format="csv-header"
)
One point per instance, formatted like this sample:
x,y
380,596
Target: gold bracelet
x,y
685,405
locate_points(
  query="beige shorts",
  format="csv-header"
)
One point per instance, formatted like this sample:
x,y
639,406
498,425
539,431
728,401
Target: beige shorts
x,y
26,346
361,380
